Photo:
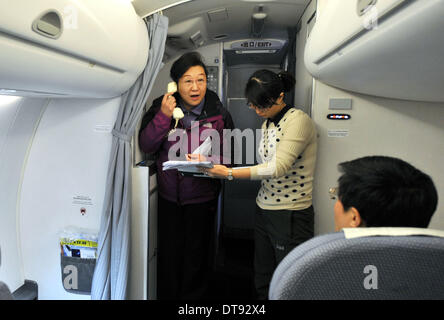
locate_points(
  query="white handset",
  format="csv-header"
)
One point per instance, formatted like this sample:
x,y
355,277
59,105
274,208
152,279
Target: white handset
x,y
177,112
172,87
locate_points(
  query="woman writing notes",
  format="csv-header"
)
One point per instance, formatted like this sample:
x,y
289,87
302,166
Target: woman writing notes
x,y
285,215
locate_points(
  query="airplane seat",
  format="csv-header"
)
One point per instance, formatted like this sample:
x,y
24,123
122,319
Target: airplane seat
x,y
364,263
5,293
28,291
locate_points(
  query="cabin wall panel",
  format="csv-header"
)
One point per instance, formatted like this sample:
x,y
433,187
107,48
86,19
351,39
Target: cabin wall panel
x,y
412,131
18,119
138,275
68,160
304,80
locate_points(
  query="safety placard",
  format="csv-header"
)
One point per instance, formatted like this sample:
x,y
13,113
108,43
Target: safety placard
x,y
338,133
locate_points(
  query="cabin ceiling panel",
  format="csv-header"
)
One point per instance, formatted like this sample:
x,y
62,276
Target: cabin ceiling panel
x,y
229,20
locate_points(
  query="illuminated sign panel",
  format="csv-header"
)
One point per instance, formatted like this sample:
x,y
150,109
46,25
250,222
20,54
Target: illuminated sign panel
x,y
258,44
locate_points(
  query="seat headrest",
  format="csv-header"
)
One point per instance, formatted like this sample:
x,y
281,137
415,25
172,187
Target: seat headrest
x,y
407,261
352,233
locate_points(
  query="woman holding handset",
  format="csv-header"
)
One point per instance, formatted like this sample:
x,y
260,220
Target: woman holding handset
x,y
284,216
187,205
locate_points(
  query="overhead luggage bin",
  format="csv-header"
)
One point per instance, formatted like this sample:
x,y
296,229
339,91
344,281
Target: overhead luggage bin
x,y
70,48
386,48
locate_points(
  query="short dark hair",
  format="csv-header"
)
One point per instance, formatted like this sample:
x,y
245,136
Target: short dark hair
x,y
264,87
186,61
387,192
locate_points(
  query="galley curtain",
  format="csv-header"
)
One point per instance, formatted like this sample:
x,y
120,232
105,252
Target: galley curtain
x,y
112,266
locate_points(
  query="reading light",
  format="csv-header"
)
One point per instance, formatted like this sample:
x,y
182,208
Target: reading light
x,y
258,22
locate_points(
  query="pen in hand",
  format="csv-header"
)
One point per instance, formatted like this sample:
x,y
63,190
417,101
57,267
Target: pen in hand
x,y
195,157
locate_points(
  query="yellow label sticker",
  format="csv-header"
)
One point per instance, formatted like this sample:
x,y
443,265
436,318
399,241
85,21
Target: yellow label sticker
x,y
79,243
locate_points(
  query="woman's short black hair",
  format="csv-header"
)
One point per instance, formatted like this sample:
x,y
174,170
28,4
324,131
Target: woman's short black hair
x,y
264,87
186,61
387,192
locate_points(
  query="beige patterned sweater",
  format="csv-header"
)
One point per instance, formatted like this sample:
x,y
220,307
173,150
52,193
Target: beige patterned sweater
x,y
288,153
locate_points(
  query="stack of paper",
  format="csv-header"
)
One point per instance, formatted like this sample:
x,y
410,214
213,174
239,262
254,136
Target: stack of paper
x,y
192,166
187,166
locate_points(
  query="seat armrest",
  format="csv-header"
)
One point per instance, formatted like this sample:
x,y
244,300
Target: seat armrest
x,y
28,291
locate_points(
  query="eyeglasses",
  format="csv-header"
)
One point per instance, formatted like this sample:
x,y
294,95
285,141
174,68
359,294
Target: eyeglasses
x,y
333,192
252,106
188,83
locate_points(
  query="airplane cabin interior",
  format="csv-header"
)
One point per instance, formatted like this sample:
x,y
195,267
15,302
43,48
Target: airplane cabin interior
x,y
66,68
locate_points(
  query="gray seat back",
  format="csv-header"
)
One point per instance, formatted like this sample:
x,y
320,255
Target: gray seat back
x,y
5,294
378,267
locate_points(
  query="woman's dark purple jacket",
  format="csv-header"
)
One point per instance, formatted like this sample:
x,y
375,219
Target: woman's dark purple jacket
x,y
153,139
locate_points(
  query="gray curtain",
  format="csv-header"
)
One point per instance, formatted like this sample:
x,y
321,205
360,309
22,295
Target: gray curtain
x,y
112,266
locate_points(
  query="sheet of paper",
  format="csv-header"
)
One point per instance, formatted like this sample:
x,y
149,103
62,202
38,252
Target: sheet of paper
x,y
204,148
192,166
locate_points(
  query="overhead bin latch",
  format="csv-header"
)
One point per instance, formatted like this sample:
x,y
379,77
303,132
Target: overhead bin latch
x,y
48,24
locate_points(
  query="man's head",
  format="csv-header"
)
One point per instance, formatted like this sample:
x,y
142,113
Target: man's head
x,y
380,191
